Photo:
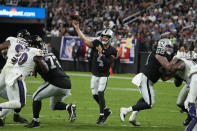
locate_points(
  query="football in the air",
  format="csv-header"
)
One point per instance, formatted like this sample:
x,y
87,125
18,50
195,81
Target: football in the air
x,y
75,15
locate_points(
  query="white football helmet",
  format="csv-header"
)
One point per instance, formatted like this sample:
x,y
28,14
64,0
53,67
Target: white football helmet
x,y
165,46
109,33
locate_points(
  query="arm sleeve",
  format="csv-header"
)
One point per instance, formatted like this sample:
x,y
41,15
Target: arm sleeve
x,y
10,39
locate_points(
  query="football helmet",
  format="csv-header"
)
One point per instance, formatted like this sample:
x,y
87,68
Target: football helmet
x,y
109,33
23,34
165,46
36,41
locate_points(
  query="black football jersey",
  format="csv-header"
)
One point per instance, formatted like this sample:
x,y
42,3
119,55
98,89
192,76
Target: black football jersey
x,y
56,76
151,69
101,65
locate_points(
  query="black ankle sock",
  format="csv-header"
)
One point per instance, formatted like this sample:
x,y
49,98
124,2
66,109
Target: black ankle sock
x,y
36,108
60,106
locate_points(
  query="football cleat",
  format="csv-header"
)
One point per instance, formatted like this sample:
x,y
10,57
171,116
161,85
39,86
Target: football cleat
x,y
101,120
123,112
18,118
2,122
72,114
33,124
134,122
132,119
192,124
107,113
187,120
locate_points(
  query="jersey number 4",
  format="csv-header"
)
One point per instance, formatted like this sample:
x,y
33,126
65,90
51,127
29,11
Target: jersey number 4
x,y
100,62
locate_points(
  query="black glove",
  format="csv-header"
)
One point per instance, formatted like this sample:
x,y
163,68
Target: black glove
x,y
14,60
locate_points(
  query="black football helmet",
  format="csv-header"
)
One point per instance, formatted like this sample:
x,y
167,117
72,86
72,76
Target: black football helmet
x,y
23,34
35,41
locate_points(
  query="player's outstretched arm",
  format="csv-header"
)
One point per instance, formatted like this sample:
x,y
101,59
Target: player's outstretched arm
x,y
171,66
81,35
4,45
39,60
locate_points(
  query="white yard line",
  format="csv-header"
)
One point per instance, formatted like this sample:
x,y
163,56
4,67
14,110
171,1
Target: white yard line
x,y
89,75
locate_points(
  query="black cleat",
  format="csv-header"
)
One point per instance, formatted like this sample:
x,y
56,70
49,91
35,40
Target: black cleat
x,y
187,120
33,124
107,113
2,123
72,114
101,120
18,118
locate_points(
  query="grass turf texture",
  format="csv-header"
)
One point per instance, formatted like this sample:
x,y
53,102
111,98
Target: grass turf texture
x,y
164,116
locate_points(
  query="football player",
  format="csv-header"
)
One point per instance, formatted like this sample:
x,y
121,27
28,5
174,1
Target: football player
x,y
185,89
12,45
23,63
185,71
191,98
57,86
158,58
103,55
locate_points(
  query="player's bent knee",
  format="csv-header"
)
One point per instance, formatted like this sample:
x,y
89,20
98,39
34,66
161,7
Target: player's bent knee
x,y
36,98
94,92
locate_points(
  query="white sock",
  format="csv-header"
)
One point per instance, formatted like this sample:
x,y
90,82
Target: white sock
x,y
133,115
36,119
130,109
5,112
11,105
67,106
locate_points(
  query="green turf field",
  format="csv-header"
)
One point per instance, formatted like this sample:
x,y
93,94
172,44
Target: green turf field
x,y
164,116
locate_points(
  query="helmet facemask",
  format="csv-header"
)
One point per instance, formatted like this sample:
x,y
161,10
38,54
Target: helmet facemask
x,y
169,49
105,42
109,34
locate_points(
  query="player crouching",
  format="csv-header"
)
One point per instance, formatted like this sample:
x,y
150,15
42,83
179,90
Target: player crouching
x,y
57,86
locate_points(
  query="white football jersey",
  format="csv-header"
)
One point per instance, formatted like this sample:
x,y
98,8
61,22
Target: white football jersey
x,y
25,61
184,74
191,55
24,65
16,45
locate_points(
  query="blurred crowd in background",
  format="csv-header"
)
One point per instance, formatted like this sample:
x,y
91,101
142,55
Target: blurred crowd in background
x,y
154,18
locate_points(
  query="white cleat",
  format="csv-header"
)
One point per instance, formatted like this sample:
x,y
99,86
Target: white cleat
x,y
133,120
123,112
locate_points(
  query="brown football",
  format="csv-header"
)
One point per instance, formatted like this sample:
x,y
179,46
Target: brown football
x,y
75,15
